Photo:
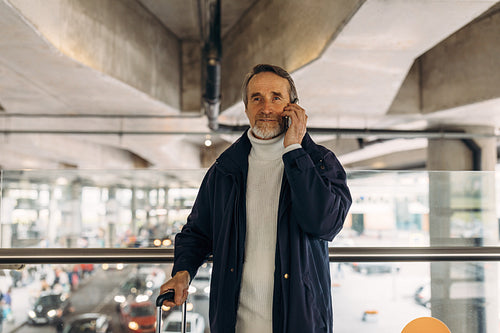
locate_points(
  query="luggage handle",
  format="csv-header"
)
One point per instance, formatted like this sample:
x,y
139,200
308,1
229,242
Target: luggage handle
x,y
166,296
169,295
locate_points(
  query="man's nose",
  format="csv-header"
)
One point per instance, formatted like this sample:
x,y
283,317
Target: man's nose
x,y
267,107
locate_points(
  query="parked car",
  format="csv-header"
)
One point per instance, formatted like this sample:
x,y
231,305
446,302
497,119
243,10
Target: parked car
x,y
138,317
423,295
49,308
134,287
154,275
112,266
195,323
89,323
374,267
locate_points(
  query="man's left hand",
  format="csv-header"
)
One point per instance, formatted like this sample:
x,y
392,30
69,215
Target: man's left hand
x,y
298,127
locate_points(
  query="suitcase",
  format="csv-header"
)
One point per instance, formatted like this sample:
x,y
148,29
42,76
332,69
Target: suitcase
x,y
168,296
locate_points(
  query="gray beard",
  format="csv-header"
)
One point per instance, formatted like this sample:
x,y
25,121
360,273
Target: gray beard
x,y
267,133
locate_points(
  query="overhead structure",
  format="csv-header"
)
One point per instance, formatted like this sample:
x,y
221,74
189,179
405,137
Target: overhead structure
x,y
363,66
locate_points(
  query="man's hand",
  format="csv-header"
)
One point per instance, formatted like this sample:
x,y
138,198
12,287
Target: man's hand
x,y
298,128
180,283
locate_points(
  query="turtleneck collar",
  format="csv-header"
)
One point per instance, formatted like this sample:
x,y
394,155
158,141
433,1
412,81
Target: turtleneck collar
x,y
268,150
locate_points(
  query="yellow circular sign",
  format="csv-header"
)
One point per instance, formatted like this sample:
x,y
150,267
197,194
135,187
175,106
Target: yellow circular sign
x,y
426,325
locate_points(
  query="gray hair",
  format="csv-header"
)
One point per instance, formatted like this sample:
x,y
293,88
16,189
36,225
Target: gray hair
x,y
292,91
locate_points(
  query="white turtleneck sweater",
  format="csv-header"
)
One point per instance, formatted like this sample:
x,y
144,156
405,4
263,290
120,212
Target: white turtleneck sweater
x,y
265,172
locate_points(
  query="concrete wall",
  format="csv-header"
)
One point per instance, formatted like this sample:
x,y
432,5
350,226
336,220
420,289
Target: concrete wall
x,y
191,76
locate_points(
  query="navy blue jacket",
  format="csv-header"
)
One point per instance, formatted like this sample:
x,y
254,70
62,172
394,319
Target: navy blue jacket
x,y
314,201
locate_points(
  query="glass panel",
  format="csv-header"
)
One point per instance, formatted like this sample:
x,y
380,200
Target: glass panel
x,y
145,208
119,295
99,208
384,297
421,209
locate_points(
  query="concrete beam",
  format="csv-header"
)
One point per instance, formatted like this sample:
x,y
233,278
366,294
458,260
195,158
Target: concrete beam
x,y
48,152
288,33
461,70
464,69
104,35
408,99
447,154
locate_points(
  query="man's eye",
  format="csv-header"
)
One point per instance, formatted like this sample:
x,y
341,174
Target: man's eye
x,y
277,98
256,99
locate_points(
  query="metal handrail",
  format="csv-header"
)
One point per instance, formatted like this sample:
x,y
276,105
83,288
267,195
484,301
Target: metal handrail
x,y
159,255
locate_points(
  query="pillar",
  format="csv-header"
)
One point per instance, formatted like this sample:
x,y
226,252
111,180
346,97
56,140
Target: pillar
x,y
462,212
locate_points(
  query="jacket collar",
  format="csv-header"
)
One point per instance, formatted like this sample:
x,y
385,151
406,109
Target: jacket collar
x,y
235,158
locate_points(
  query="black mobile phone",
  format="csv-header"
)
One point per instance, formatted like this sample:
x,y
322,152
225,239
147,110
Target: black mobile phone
x,y
287,121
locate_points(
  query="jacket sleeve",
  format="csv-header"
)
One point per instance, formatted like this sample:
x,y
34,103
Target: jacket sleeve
x,y
193,244
320,198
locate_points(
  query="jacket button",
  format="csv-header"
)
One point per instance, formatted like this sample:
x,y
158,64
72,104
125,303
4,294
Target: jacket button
x,y
285,276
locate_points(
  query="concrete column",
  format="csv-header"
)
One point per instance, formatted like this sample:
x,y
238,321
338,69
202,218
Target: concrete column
x,y
462,213
75,217
111,218
7,207
71,217
53,231
133,208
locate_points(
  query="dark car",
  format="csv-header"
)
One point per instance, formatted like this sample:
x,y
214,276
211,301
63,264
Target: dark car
x,y
135,286
49,308
89,323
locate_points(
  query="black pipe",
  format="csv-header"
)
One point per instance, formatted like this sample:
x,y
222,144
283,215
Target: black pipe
x,y
211,63
476,153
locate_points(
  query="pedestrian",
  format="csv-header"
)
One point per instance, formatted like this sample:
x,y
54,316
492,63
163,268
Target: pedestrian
x,y
265,211
1,317
7,310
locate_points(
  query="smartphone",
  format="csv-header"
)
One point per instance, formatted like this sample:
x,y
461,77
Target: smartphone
x,y
287,121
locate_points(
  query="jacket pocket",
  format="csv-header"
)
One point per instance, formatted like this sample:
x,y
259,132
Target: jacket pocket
x,y
314,303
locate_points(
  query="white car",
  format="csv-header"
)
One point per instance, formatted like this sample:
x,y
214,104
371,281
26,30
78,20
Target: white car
x,y
153,274
194,323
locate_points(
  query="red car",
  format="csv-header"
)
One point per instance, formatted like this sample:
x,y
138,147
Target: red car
x,y
138,317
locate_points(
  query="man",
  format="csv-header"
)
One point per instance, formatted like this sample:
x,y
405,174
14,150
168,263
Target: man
x,y
266,210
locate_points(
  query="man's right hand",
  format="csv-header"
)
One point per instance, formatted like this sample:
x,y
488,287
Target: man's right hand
x,y
180,283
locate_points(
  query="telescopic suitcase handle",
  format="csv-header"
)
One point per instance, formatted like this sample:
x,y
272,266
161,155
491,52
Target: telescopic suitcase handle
x,y
166,296
169,295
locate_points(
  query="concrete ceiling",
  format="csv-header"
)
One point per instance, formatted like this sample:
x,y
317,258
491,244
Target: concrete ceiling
x,y
117,84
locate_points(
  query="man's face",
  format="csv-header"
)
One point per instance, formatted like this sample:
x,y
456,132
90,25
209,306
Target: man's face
x,y
267,95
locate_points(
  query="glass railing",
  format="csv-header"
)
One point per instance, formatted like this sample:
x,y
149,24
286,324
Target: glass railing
x,y
414,244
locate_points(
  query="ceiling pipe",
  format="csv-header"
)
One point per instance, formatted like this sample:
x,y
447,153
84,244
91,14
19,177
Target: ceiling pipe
x,y
238,129
211,64
182,115
376,133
